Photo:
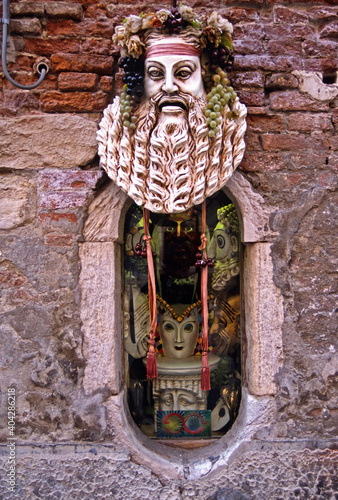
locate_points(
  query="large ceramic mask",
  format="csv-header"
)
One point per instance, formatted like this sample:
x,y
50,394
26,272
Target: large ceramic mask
x,y
176,134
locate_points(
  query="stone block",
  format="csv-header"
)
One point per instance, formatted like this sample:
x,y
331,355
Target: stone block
x,y
27,9
100,284
58,141
106,214
253,211
65,10
17,201
281,81
26,26
264,318
78,81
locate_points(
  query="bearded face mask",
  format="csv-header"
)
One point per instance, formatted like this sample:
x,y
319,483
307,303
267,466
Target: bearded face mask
x,y
169,162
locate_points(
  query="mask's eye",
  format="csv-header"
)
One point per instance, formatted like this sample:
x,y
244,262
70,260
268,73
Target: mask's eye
x,y
188,229
183,73
189,328
155,73
169,327
170,229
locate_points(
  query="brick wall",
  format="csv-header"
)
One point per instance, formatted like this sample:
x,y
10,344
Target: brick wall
x,y
50,174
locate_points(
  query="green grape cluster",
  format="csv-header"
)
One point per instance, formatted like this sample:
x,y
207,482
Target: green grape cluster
x,y
127,103
219,95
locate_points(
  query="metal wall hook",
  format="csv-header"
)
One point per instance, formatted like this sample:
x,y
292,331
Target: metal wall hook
x,y
42,66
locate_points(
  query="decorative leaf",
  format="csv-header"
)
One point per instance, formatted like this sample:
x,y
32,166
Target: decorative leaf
x,y
227,42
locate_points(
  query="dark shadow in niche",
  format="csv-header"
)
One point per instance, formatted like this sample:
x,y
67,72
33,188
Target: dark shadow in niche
x,y
173,406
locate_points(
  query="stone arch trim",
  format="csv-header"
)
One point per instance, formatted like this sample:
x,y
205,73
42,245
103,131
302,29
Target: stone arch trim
x,y
101,314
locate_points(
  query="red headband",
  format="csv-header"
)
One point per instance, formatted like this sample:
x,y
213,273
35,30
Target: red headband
x,y
177,49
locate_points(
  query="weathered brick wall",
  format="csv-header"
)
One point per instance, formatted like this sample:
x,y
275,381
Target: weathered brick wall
x,y
50,174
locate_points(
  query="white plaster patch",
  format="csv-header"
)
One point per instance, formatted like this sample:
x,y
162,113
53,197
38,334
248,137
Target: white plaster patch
x,y
311,83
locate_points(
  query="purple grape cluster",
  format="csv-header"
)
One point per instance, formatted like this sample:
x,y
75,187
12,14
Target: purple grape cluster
x,y
142,251
134,75
200,262
220,57
175,23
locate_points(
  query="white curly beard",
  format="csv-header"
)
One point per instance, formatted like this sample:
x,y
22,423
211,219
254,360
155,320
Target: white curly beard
x,y
169,163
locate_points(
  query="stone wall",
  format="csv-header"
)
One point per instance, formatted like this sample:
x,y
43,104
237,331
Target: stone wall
x,y
71,432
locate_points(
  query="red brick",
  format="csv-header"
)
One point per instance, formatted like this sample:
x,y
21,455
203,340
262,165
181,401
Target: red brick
x,y
59,240
82,63
73,101
102,47
251,31
251,98
248,47
26,26
65,10
262,162
97,11
88,28
306,122
314,48
27,9
249,79
239,15
289,46
49,83
329,31
267,63
287,16
78,81
294,101
322,13
22,63
266,123
326,2
43,47
63,200
252,141
57,217
258,110
283,31
107,84
67,222
61,181
119,82
321,65
253,63
284,142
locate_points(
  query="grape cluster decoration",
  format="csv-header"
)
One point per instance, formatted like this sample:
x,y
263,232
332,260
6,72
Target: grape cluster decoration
x,y
175,23
133,88
216,43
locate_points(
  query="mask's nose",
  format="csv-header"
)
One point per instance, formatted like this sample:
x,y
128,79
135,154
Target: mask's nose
x,y
169,85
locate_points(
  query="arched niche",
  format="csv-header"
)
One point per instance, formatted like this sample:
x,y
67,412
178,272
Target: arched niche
x,y
102,327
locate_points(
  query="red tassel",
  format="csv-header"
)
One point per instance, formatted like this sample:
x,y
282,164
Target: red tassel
x,y
205,373
151,363
151,357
